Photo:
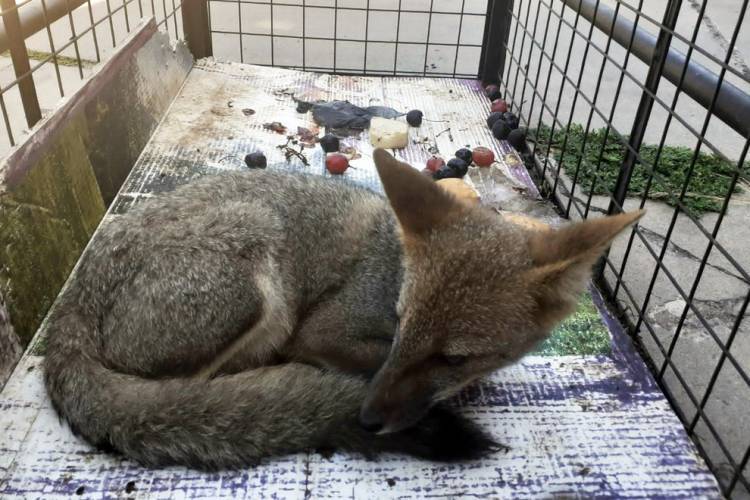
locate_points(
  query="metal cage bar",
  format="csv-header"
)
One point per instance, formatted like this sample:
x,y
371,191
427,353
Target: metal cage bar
x,y
733,104
25,18
402,44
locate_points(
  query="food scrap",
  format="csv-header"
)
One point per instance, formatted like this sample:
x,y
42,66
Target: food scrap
x,y
483,157
350,152
277,127
289,151
336,163
388,134
329,143
414,117
345,116
307,136
434,164
511,160
256,160
464,154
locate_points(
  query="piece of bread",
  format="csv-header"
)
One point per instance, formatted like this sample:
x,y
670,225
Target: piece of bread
x,y
388,134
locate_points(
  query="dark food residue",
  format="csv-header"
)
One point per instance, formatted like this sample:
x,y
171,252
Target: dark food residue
x,y
345,116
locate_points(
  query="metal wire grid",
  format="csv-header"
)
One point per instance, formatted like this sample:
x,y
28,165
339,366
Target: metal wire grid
x,y
380,37
523,41
119,18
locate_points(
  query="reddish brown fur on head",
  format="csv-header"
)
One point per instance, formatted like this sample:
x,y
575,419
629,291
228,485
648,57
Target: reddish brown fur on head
x,y
478,292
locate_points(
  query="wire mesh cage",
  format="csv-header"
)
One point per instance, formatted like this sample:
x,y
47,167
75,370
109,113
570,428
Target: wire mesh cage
x,y
628,104
633,104
58,42
378,37
51,46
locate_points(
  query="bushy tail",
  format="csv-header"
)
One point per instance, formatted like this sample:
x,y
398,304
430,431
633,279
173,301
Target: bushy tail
x,y
230,421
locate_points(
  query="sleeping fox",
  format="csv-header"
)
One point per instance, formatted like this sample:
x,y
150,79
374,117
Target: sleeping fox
x,y
254,314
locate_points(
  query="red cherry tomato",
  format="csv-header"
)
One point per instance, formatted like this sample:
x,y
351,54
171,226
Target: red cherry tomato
x,y
483,157
500,106
434,163
337,163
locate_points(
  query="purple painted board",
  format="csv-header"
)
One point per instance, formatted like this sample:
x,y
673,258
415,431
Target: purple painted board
x,y
574,426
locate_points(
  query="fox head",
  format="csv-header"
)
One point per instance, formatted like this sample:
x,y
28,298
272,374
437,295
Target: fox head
x,y
478,292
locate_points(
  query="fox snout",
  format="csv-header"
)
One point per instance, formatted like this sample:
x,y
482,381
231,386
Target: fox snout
x,y
381,416
395,401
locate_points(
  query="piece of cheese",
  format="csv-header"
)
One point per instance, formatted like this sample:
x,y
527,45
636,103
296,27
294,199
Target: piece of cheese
x,y
461,190
388,134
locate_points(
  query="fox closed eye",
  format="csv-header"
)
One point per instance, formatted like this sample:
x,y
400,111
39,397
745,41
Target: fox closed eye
x,y
454,359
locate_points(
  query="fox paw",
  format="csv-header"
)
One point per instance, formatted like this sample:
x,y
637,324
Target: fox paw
x,y
446,436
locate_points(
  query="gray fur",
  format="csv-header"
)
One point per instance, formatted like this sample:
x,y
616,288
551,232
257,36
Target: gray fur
x,y
216,325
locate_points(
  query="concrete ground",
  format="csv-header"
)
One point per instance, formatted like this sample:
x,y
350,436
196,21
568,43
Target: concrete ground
x,y
721,290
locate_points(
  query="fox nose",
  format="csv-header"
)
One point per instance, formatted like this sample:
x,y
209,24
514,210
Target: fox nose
x,y
370,421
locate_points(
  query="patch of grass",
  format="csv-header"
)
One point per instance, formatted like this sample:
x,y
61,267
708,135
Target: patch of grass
x,y
708,185
583,333
62,60
38,55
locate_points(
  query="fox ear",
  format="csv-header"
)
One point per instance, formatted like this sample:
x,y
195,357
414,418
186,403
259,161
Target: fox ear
x,y
581,241
562,260
418,202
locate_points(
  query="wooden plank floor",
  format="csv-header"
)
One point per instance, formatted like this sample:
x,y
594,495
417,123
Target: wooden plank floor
x,y
576,425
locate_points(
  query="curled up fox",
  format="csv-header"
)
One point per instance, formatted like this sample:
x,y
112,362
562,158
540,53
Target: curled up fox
x,y
255,314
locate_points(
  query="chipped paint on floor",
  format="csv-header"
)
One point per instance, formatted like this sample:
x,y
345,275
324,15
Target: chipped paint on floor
x,y
574,426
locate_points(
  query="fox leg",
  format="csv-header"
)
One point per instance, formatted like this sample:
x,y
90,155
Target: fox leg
x,y
260,343
189,311
353,354
349,339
